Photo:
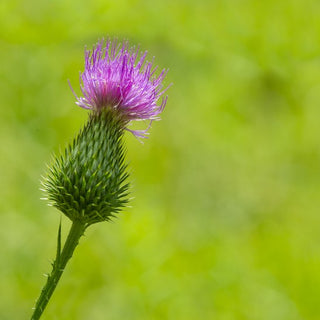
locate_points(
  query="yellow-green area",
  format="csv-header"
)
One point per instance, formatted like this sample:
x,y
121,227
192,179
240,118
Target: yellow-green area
x,y
225,216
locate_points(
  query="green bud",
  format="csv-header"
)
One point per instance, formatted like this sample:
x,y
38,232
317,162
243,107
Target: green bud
x,y
88,182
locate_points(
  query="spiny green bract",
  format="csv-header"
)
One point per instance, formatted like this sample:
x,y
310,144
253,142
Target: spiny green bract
x,y
88,182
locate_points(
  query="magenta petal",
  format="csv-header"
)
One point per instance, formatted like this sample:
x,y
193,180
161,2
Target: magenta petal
x,y
114,77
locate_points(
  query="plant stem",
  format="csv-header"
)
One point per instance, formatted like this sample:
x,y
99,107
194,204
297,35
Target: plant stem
x,y
76,231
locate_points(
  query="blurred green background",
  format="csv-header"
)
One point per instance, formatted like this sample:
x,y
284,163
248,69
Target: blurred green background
x,y
225,218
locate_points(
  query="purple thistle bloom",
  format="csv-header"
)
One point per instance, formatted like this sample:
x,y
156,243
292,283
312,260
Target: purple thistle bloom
x,y
114,77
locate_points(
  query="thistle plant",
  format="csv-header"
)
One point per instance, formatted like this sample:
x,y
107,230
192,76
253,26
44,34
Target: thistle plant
x,y
88,182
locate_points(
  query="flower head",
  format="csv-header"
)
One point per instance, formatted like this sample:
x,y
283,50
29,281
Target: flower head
x,y
118,78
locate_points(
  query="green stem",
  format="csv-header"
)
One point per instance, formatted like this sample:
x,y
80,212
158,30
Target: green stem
x,y
75,233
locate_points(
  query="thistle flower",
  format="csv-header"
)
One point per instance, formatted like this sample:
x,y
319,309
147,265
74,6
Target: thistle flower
x,y
89,181
116,78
